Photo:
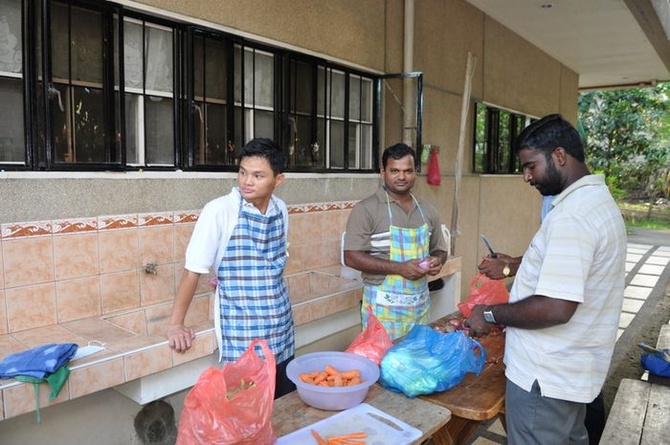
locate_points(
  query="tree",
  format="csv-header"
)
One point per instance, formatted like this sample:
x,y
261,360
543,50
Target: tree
x,y
628,137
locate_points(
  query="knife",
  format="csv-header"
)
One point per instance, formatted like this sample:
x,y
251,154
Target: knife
x,y
488,246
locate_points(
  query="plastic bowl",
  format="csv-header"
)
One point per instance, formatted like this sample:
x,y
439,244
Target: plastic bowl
x,y
337,398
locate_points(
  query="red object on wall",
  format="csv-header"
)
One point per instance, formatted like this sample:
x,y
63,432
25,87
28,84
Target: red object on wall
x,y
434,177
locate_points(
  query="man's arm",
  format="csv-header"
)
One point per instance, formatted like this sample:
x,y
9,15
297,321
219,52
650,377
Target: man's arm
x,y
534,312
365,262
180,337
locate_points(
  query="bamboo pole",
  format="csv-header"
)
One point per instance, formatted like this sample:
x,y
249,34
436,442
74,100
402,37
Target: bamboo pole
x,y
467,89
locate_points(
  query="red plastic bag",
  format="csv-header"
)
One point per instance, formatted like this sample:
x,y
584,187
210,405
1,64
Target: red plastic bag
x,y
222,409
434,177
484,290
373,341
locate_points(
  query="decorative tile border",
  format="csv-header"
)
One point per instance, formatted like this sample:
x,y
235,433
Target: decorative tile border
x,y
320,207
130,221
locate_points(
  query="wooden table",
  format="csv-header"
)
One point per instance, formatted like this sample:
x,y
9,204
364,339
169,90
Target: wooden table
x,y
640,413
476,398
291,414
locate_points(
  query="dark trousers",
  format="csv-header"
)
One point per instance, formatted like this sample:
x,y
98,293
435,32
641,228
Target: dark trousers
x,y
595,419
283,384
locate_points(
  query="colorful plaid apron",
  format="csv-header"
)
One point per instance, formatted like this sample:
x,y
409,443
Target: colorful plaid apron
x,y
253,297
399,303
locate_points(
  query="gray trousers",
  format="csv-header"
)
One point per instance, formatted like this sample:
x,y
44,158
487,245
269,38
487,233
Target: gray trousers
x,y
536,420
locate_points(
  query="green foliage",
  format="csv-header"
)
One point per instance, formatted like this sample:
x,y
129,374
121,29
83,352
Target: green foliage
x,y
628,137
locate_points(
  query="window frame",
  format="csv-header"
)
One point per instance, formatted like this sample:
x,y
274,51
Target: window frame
x,y
356,146
498,155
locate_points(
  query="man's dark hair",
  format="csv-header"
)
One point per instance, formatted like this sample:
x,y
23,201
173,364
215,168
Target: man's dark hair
x,y
397,151
550,132
265,148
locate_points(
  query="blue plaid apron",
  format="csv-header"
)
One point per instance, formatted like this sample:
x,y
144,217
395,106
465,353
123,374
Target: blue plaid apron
x,y
253,297
399,303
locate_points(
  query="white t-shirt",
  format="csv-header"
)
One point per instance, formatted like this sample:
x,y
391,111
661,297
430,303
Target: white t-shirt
x,y
215,226
578,254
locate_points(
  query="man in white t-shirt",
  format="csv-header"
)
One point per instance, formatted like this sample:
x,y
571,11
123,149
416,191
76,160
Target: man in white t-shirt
x,y
565,302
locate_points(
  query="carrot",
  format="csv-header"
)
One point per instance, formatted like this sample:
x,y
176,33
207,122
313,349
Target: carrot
x,y
319,439
332,377
320,378
350,374
357,435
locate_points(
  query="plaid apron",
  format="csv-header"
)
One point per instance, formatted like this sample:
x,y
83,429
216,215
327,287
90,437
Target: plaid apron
x,y
253,297
399,303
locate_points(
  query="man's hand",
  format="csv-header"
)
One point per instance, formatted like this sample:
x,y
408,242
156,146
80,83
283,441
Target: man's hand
x,y
493,267
476,323
411,270
180,338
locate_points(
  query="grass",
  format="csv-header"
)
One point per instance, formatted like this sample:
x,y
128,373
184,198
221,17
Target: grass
x,y
649,224
636,214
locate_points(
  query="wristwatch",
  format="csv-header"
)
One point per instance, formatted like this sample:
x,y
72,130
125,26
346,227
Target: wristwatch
x,y
506,270
488,316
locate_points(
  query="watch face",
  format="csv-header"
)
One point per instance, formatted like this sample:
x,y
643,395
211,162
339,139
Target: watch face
x,y
488,316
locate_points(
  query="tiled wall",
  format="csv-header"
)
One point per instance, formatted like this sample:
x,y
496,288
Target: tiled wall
x,y
54,272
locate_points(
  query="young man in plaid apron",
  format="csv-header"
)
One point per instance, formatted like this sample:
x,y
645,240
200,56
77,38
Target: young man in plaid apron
x,y
243,237
395,240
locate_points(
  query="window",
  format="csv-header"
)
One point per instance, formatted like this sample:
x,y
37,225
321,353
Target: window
x,y
494,135
106,87
78,88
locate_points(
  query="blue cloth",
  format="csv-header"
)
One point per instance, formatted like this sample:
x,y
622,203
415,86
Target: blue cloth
x,y
655,364
546,205
37,362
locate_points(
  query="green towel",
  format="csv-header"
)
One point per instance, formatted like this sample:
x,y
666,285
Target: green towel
x,y
56,380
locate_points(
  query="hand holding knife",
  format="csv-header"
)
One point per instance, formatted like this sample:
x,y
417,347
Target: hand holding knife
x,y
488,246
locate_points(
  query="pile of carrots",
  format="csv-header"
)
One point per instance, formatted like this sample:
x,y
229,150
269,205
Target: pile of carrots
x,y
345,439
332,377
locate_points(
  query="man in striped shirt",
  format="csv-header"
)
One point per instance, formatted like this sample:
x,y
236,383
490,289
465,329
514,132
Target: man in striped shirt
x,y
564,306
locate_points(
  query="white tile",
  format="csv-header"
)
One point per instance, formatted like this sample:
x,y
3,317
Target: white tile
x,y
625,319
655,259
637,292
619,333
651,269
638,250
630,266
639,246
632,257
631,305
644,280
662,253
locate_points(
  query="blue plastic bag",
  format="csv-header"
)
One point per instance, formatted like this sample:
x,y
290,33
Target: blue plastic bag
x,y
428,361
655,365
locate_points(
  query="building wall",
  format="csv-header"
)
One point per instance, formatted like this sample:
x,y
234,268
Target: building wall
x,y
510,73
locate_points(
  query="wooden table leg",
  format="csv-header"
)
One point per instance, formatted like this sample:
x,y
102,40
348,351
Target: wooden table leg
x,y
456,432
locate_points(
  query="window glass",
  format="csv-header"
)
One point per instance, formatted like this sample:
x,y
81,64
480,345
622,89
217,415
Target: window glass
x,y
149,86
480,138
209,111
12,146
158,53
257,69
336,144
495,131
77,111
159,131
